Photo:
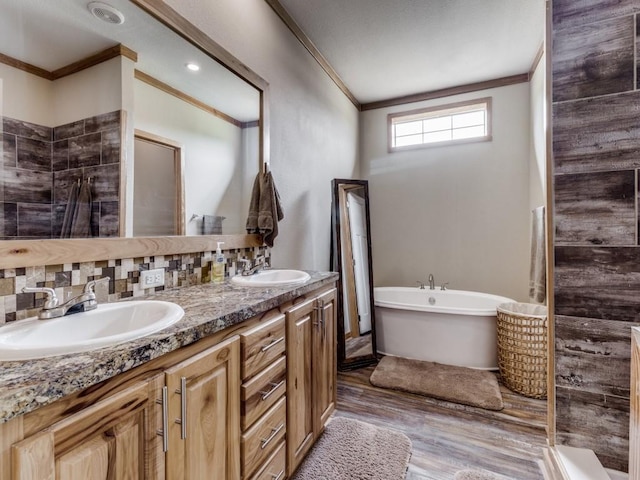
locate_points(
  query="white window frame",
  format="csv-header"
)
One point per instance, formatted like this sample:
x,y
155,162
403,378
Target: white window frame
x,y
450,110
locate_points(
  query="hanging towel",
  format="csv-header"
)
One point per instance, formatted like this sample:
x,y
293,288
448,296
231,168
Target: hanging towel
x,y
212,224
81,222
538,270
265,209
70,210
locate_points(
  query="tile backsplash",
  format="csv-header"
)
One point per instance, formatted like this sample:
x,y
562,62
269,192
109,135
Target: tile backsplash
x,y
68,280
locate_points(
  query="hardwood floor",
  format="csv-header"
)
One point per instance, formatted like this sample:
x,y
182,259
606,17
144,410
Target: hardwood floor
x,y
448,437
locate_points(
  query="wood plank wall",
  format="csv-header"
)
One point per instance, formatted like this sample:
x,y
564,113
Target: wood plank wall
x,y
596,148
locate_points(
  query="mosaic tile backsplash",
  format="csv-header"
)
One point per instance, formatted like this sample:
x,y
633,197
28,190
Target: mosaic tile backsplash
x,y
68,280
39,165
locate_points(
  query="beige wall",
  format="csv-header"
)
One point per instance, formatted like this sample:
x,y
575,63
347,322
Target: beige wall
x,y
460,212
213,165
90,92
313,125
537,159
26,96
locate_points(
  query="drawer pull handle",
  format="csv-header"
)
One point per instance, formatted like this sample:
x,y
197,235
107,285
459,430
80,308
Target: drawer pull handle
x,y
274,387
274,431
278,476
272,344
164,433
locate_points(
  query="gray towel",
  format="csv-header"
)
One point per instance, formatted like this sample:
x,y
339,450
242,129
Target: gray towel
x,y
538,270
265,209
70,210
81,223
212,224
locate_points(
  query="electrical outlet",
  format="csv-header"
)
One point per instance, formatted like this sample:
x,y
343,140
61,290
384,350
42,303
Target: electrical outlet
x,y
152,278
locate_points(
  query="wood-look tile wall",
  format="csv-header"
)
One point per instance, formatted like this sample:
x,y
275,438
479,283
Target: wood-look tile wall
x,y
596,148
39,165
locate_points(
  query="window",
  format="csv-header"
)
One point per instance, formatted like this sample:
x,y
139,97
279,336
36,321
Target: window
x,y
447,124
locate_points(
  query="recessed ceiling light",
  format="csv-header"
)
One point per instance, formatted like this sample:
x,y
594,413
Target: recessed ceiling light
x,y
106,13
194,67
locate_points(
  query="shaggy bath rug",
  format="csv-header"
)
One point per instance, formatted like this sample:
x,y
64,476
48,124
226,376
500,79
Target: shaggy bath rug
x,y
478,388
477,475
354,450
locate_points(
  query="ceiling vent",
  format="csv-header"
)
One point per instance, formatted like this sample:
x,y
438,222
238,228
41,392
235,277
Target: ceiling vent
x,y
106,13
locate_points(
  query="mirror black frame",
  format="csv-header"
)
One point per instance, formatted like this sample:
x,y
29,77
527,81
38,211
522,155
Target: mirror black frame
x,y
336,265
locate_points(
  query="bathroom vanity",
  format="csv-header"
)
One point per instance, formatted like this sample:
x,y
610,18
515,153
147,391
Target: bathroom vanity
x,y
241,387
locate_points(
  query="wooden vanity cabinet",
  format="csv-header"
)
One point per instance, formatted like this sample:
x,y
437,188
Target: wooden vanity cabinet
x,y
245,403
204,415
114,438
263,406
121,436
311,373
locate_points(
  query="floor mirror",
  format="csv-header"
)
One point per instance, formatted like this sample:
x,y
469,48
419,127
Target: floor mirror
x,y
351,257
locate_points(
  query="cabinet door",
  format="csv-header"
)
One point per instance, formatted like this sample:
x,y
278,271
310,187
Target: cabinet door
x,y
299,382
324,360
204,408
112,439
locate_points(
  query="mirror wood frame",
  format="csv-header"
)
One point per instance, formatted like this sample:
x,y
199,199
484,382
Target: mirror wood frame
x,y
28,253
345,363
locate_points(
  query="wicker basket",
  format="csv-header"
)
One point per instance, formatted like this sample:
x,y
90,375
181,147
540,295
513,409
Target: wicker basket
x,y
522,348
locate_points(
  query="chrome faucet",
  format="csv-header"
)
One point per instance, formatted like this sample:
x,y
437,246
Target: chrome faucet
x,y
432,282
80,303
251,268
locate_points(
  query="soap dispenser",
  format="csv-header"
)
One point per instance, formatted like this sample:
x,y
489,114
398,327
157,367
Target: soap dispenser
x,y
218,266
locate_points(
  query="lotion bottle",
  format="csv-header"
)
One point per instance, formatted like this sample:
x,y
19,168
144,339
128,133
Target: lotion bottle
x,y
218,266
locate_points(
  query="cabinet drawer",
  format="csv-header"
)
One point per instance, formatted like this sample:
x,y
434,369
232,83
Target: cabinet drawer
x,y
261,345
262,391
274,467
262,439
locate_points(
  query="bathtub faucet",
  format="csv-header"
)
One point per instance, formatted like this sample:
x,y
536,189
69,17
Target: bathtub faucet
x,y
432,282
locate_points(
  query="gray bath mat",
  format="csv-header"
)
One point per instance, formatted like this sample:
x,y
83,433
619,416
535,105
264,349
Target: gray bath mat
x,y
478,388
354,450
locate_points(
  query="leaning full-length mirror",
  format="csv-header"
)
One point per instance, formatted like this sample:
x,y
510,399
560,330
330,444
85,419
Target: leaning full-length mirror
x,y
351,256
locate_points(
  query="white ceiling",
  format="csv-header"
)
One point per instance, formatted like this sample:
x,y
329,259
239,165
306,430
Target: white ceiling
x,y
52,34
384,49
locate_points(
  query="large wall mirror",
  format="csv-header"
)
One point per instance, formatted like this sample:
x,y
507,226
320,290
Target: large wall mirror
x,y
105,104
351,256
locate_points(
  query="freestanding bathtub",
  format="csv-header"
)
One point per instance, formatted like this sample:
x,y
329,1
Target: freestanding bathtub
x,y
452,327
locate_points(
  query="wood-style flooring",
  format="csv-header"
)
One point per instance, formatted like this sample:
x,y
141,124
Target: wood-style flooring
x,y
449,437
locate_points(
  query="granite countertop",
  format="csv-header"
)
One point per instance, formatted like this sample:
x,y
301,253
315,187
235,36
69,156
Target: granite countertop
x,y
208,308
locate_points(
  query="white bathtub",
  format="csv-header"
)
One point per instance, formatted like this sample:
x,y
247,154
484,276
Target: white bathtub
x,y
452,327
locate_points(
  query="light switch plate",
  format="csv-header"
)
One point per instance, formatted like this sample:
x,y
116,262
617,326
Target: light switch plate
x,y
152,278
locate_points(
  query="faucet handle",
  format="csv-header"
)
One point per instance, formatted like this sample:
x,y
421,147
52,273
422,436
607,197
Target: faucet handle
x,y
245,264
420,284
88,288
444,286
51,300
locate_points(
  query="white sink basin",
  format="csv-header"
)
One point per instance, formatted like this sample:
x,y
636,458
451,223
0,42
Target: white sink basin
x,y
108,325
272,278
